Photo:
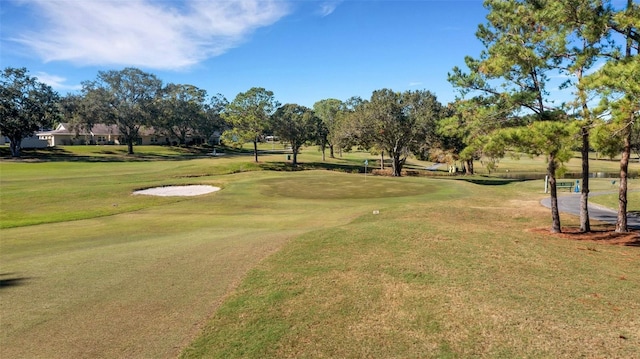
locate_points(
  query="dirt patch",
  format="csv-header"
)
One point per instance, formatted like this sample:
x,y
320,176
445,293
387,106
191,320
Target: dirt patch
x,y
604,235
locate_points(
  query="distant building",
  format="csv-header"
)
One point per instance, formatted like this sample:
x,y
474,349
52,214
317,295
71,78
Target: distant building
x,y
28,142
99,134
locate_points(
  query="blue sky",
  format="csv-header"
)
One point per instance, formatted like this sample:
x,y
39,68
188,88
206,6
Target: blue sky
x,y
304,50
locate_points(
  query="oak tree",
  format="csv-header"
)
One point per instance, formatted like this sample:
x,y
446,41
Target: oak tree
x,y
129,98
182,107
213,121
26,105
296,125
400,124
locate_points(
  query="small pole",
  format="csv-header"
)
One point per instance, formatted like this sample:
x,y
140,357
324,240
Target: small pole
x,y
366,162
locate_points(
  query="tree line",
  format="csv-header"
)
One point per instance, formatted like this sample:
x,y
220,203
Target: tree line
x,y
505,103
399,124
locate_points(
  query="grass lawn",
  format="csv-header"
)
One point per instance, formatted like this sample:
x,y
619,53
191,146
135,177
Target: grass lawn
x,y
297,263
611,200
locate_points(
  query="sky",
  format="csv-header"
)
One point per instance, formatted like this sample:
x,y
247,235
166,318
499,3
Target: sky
x,y
302,50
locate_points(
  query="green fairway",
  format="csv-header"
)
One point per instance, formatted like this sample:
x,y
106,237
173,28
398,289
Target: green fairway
x,y
297,263
456,277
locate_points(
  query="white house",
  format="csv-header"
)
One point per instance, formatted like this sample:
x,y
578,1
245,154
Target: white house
x,y
99,134
29,142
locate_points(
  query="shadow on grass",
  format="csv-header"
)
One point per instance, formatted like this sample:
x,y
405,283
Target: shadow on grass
x,y
113,154
491,181
288,167
11,281
357,167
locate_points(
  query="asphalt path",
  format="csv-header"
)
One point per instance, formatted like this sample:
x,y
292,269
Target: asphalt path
x,y
570,203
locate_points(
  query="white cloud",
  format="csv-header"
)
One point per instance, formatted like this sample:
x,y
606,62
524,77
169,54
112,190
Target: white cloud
x,y
145,33
415,83
56,82
328,7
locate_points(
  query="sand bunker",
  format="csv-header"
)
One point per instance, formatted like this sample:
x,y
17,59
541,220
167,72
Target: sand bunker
x,y
195,190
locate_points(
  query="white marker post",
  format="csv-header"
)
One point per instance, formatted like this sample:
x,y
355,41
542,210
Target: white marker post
x,y
366,163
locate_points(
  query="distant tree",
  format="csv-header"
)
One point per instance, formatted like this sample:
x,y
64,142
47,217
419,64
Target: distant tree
x,y
296,125
469,124
329,111
459,135
26,105
451,135
322,138
213,121
78,111
397,123
345,134
248,114
182,108
129,99
73,108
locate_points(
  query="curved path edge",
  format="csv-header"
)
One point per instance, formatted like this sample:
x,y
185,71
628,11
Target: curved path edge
x,y
571,204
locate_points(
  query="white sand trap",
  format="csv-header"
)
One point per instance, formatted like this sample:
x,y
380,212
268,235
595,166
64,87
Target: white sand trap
x,y
195,190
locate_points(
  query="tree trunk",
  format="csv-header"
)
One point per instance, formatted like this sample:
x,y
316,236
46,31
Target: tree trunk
x,y
382,160
295,150
468,167
621,223
15,146
255,150
331,153
585,225
130,145
555,213
397,165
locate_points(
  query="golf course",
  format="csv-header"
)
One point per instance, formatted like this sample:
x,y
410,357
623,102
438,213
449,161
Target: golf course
x,y
317,261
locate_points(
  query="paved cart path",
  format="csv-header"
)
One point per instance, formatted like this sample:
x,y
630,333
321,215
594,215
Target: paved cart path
x,y
571,204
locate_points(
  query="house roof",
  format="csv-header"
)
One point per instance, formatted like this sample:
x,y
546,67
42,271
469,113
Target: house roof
x,y
97,130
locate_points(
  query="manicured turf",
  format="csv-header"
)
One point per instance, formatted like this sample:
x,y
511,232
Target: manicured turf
x,y
456,277
296,263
